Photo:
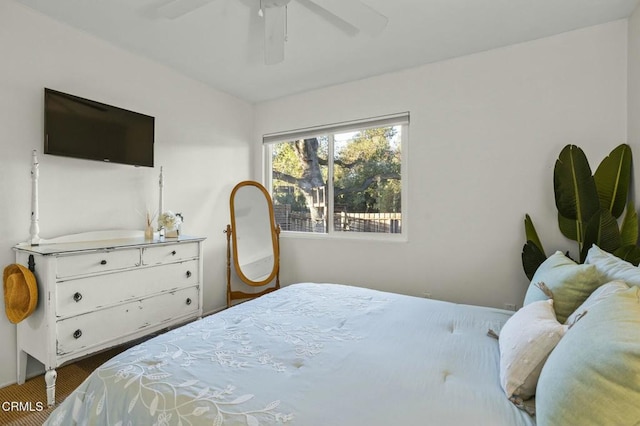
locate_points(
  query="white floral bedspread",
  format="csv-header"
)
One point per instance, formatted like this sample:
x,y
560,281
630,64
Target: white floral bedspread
x,y
308,354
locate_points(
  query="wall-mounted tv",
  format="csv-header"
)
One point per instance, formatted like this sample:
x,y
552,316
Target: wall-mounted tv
x,y
81,128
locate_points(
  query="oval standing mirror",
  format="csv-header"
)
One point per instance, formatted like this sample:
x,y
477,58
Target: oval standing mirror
x,y
253,234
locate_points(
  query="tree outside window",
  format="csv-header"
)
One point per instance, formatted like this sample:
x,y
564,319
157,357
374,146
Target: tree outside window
x,y
346,181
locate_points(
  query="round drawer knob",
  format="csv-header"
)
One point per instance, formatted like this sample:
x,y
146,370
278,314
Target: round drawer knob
x,y
188,301
173,253
77,334
103,262
188,274
77,296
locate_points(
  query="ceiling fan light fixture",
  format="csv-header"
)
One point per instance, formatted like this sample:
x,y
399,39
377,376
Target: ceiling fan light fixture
x,y
352,13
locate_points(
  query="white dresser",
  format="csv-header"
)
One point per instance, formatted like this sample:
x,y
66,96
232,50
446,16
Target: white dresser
x,y
97,294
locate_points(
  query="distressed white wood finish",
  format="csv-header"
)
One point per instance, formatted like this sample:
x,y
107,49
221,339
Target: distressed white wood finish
x,y
97,262
34,229
160,195
94,295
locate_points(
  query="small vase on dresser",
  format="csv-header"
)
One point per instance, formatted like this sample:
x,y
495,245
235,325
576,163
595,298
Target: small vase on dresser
x,y
148,233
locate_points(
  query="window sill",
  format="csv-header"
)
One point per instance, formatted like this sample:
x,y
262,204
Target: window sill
x,y
350,236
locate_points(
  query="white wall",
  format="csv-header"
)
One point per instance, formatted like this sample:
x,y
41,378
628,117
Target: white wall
x,y
202,140
634,84
485,132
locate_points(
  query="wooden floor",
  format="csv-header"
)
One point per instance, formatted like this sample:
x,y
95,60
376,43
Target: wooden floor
x,y
30,399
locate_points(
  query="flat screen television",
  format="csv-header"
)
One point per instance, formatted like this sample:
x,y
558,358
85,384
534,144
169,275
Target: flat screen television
x,y
81,128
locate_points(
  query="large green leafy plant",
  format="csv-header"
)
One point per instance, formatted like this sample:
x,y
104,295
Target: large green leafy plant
x,y
589,207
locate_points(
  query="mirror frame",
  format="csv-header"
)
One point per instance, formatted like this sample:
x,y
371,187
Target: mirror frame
x,y
231,241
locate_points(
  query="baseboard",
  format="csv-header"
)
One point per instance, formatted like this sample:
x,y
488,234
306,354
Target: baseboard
x,y
213,311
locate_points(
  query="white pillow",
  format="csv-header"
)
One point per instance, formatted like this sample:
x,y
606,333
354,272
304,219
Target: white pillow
x,y
612,267
525,341
601,293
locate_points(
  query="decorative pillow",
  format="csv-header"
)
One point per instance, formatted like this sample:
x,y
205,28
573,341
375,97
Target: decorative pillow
x,y
602,292
525,341
591,377
612,267
570,283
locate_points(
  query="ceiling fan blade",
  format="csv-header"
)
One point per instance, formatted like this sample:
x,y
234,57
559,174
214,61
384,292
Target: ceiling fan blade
x,y
332,19
356,13
177,8
274,25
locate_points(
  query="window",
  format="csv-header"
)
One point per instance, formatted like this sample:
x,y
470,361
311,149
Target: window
x,y
343,179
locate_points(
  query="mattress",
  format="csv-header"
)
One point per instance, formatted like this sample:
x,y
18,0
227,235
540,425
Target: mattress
x,y
309,354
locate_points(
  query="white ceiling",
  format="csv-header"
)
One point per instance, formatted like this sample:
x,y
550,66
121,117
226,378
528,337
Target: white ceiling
x,y
221,43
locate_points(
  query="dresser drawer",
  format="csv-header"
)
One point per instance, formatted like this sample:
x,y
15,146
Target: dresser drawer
x,y
170,253
91,293
99,327
97,262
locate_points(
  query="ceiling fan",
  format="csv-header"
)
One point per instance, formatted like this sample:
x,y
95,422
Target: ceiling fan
x,y
274,12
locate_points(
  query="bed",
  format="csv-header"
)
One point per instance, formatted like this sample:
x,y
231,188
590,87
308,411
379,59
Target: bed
x,y
309,354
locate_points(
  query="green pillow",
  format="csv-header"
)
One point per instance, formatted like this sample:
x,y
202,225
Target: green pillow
x,y
592,377
570,283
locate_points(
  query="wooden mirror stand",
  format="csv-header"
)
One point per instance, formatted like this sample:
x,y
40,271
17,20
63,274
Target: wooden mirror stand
x,y
254,238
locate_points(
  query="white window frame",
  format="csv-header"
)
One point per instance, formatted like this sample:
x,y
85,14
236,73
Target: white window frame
x,y
400,119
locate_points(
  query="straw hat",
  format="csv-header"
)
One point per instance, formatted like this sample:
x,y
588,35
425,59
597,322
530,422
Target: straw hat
x,y
20,292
